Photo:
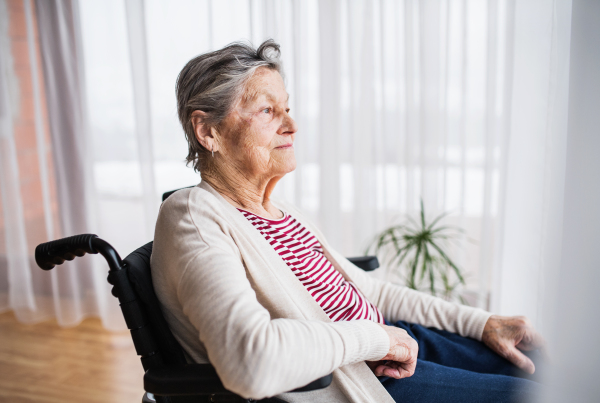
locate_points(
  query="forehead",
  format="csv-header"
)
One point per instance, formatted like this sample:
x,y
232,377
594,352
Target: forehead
x,y
265,83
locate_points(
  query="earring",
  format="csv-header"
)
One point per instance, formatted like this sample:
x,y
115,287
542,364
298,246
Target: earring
x,y
212,149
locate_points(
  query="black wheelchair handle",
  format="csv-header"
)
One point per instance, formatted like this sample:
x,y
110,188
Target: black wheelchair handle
x,y
50,254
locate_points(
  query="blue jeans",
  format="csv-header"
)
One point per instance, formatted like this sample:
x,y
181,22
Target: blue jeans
x,y
452,368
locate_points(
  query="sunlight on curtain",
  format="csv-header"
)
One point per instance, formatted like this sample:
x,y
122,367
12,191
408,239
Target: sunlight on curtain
x,y
45,185
536,157
396,101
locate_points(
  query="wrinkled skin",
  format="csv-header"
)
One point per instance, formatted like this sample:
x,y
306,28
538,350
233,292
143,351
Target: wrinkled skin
x,y
253,145
253,150
401,359
508,335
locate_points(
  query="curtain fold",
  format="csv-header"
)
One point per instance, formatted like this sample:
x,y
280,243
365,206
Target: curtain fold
x,y
15,281
330,115
536,158
136,30
458,103
47,188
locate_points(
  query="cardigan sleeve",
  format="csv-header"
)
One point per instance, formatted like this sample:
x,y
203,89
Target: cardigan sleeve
x,y
402,303
255,356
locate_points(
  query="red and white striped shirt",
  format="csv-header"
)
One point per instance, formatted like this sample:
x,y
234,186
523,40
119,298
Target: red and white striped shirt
x,y
303,253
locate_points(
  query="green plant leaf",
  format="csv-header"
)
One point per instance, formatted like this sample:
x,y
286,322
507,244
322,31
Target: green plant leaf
x,y
416,248
415,263
437,219
449,261
403,253
430,270
447,228
413,222
394,240
426,262
445,280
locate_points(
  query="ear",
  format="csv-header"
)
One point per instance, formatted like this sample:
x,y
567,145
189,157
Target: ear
x,y
205,134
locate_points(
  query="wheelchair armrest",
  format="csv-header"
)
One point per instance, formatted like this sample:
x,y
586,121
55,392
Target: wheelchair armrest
x,y
367,263
320,383
183,379
199,379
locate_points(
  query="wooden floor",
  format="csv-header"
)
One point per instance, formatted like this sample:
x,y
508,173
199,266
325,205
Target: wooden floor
x,y
46,363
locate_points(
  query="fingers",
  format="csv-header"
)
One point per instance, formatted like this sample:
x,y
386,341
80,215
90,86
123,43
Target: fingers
x,y
408,367
403,348
531,340
401,359
386,370
508,335
519,359
395,370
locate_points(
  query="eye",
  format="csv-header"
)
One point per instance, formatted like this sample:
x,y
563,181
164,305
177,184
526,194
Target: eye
x,y
266,110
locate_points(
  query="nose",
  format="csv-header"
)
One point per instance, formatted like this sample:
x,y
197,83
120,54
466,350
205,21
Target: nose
x,y
288,125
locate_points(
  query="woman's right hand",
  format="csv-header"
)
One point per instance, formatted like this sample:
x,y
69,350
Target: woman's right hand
x,y
401,360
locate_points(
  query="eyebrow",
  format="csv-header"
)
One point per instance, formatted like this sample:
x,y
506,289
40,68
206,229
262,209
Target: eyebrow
x,y
272,98
252,95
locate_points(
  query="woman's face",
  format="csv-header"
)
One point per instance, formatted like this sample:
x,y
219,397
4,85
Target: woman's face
x,y
258,135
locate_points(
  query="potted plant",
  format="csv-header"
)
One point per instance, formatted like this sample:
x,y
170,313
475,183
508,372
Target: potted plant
x,y
416,250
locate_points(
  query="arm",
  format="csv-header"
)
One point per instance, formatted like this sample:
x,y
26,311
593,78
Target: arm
x,y
256,356
402,303
507,336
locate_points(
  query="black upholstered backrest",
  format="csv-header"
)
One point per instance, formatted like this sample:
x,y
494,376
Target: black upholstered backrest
x,y
140,277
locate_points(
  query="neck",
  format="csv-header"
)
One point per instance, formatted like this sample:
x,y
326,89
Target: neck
x,y
241,191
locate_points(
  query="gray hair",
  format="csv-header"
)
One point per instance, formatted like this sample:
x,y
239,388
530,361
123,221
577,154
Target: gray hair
x,y
213,82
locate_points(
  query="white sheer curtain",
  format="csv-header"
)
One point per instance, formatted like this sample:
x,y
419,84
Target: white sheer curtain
x,y
395,100
529,247
46,184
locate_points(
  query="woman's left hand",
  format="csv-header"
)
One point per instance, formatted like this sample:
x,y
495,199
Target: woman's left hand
x,y
507,335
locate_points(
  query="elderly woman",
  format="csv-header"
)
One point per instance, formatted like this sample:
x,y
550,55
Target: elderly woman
x,y
249,284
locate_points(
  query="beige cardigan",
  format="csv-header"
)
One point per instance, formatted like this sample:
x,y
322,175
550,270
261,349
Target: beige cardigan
x,y
230,299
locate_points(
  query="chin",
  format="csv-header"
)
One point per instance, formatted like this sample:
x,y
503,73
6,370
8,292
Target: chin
x,y
287,168
291,166
281,165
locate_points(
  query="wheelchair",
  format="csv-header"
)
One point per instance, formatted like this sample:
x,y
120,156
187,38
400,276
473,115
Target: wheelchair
x,y
168,377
